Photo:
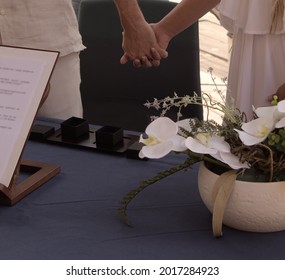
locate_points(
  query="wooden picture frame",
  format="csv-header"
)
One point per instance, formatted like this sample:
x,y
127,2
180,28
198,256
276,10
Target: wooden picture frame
x,y
24,86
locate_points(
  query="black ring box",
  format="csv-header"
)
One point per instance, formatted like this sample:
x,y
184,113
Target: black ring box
x,y
74,129
109,136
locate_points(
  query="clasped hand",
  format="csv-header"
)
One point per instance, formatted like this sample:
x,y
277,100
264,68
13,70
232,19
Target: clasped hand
x,y
145,47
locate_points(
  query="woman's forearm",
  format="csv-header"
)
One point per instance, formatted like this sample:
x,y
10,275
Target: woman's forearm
x,y
139,38
184,14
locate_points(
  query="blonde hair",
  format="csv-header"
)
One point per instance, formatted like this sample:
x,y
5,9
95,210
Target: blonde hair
x,y
277,16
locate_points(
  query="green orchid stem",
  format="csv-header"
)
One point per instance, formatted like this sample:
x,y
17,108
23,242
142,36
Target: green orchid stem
x,y
144,184
191,159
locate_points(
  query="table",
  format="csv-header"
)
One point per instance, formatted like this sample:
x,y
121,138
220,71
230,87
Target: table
x,y
74,215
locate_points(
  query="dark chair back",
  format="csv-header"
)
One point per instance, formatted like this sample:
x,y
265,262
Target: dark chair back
x,y
114,94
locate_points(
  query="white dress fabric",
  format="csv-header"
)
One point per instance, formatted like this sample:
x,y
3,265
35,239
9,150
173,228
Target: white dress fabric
x,y
257,64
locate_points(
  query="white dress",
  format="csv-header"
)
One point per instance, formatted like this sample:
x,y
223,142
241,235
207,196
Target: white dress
x,y
257,65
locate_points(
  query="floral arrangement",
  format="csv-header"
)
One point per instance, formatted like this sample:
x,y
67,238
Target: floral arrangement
x,y
255,149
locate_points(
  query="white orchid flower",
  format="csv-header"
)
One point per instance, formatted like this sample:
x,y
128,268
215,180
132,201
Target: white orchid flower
x,y
184,124
280,114
183,128
276,112
281,106
265,111
179,139
231,160
256,131
161,139
205,143
216,146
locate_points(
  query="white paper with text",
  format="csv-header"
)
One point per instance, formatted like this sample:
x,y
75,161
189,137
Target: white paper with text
x,y
24,74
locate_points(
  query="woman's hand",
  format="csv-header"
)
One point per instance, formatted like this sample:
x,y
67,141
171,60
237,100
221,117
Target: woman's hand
x,y
156,53
141,47
278,95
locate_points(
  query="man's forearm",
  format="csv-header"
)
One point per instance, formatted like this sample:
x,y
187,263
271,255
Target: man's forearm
x,y
130,14
127,6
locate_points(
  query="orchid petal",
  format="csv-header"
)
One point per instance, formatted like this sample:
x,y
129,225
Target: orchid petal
x,y
162,128
280,123
178,143
259,127
278,116
220,144
269,112
184,124
217,156
233,161
197,147
265,111
156,151
281,106
248,139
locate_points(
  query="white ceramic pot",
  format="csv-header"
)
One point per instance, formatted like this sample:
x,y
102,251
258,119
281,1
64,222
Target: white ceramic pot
x,y
252,206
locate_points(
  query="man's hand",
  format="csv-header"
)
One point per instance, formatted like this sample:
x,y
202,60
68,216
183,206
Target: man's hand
x,y
162,40
139,40
142,47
